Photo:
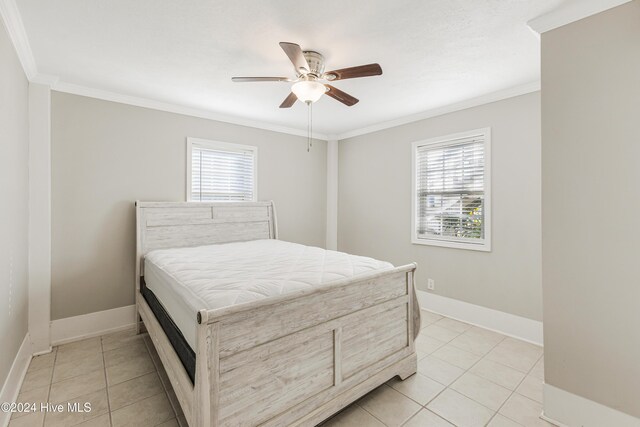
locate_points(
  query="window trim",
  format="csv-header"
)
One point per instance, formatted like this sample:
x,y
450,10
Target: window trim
x,y
226,146
443,141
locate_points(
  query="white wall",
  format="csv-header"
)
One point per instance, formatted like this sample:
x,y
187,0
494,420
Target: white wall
x,y
14,203
591,201
375,206
105,155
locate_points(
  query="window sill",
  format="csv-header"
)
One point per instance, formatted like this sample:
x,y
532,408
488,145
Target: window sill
x,y
481,247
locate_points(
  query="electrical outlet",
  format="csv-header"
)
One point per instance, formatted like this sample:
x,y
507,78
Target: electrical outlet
x,y
431,284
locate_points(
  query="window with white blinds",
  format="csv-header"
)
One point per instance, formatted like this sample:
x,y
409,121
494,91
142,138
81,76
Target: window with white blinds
x,y
219,171
451,197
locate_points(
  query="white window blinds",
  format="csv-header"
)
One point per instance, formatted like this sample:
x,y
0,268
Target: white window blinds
x,y
222,172
450,193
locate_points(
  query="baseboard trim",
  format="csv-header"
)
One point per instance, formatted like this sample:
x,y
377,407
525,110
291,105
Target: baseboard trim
x,y
566,409
93,324
498,321
12,384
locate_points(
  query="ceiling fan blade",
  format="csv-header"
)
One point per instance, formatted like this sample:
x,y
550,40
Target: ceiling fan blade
x,y
260,79
354,72
341,96
289,101
294,52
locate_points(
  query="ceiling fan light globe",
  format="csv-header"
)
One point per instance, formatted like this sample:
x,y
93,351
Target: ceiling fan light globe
x,y
308,90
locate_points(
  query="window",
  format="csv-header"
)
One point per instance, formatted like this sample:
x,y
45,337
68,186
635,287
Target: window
x,y
219,171
451,191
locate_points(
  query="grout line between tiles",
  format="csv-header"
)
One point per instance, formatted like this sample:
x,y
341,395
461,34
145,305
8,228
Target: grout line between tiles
x,y
357,402
106,384
55,358
458,377
148,397
527,373
514,391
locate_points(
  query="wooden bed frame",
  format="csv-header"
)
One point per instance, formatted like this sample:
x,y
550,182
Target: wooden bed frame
x,y
292,360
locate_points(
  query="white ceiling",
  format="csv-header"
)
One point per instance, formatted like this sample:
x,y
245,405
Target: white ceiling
x,y
433,52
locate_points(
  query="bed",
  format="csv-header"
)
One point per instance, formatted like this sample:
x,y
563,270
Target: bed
x,y
254,331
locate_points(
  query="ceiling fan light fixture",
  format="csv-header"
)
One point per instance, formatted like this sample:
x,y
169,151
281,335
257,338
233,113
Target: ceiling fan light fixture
x,y
308,90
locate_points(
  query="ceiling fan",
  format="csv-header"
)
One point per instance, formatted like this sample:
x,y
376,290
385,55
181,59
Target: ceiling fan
x,y
308,85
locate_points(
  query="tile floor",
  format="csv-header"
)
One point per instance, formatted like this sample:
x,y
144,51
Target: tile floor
x,y
119,374
467,376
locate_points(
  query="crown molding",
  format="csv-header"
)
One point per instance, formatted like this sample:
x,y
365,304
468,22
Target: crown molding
x,y
570,12
74,89
61,86
463,105
13,22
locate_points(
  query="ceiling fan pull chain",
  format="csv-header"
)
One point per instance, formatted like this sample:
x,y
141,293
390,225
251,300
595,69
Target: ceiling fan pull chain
x,y
309,104
311,125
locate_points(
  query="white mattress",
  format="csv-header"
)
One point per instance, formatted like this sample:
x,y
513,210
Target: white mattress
x,y
186,280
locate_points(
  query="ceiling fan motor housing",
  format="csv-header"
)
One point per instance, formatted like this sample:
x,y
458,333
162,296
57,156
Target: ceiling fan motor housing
x,y
315,61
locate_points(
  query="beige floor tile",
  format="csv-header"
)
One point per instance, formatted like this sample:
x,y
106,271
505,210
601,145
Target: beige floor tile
x,y
538,369
455,356
425,345
353,416
481,390
523,411
454,325
86,343
389,406
499,374
120,339
439,370
131,391
99,406
492,336
148,412
124,354
170,423
64,371
78,348
28,420
439,333
516,354
42,361
460,410
473,343
35,395
80,385
502,421
137,366
101,421
37,379
426,418
427,317
531,387
418,387
77,353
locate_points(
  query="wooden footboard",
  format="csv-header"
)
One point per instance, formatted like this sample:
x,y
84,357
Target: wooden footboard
x,y
296,359
299,359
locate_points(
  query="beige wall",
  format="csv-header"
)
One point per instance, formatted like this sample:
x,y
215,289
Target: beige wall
x,y
14,203
591,201
105,155
375,206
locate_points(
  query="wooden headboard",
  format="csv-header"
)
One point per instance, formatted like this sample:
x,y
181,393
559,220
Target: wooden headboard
x,y
161,225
